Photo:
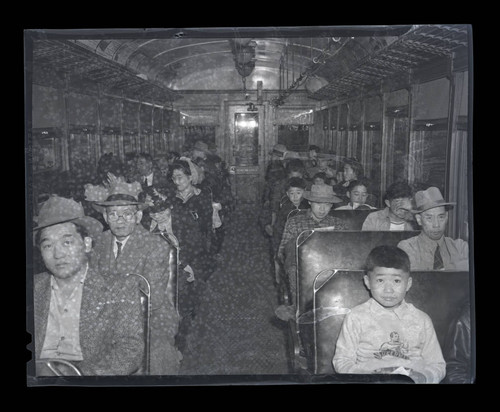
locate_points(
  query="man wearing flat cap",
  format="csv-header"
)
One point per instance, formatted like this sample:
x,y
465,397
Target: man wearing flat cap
x,y
129,248
91,321
431,249
321,198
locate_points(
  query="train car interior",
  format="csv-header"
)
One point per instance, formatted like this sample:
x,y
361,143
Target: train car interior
x,y
395,99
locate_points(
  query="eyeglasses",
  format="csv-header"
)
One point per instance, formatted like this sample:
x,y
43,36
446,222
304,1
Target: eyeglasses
x,y
128,215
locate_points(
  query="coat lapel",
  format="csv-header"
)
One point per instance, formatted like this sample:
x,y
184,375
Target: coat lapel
x,y
41,306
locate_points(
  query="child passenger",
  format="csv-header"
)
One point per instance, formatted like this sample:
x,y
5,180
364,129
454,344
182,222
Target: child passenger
x,y
294,201
357,193
386,334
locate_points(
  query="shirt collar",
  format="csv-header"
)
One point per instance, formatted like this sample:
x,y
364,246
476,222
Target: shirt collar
x,y
430,243
55,286
121,241
379,309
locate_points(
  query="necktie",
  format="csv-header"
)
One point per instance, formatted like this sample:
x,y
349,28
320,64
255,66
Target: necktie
x,y
438,260
119,245
146,181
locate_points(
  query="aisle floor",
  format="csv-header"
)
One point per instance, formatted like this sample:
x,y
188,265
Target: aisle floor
x,y
235,332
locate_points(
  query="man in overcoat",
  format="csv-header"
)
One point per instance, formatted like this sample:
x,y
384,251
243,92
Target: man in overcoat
x,y
96,323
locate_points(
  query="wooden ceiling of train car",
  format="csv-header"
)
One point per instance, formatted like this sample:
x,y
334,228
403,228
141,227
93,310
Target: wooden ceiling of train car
x,y
328,66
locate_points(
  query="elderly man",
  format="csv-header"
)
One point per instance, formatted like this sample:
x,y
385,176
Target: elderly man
x,y
321,199
127,247
93,322
431,249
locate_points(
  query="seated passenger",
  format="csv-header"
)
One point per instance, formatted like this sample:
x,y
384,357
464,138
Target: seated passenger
x,y
127,247
352,170
294,168
431,249
320,178
386,333
294,201
313,154
357,192
71,322
149,174
321,199
397,213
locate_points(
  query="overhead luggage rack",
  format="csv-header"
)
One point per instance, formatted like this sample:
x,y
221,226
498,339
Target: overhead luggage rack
x,y
417,46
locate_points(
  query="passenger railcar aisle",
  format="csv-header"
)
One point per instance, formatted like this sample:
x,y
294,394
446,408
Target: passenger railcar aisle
x,y
235,331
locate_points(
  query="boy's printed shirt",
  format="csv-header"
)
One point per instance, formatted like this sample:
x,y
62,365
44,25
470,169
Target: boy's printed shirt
x,y
374,338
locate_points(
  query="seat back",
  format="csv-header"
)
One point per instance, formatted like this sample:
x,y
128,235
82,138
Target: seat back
x,y
353,219
440,294
321,249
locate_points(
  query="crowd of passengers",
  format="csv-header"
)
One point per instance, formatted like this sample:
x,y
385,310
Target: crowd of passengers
x,y
95,234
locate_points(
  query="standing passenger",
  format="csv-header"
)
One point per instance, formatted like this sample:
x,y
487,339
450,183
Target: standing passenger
x,y
431,249
192,225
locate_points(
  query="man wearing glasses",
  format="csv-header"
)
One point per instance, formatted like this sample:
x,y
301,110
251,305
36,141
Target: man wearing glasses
x,y
128,248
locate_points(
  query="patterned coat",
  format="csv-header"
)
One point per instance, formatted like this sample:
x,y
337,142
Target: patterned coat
x,y
148,255
111,323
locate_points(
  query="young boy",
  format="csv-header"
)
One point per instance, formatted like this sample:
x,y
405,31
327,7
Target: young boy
x,y
387,334
357,192
294,200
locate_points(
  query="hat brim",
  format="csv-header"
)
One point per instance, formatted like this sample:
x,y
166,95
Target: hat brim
x,y
319,199
93,226
101,206
428,206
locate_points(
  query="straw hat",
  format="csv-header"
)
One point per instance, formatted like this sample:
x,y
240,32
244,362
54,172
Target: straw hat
x,y
428,199
56,210
321,194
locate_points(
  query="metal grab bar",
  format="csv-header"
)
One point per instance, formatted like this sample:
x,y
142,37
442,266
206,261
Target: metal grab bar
x,y
51,364
147,294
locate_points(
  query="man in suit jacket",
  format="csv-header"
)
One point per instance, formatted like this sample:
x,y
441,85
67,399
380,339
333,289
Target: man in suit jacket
x,y
431,249
128,248
95,323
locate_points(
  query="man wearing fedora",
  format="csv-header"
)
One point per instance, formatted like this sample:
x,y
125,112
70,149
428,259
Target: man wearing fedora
x,y
431,249
92,321
321,199
127,247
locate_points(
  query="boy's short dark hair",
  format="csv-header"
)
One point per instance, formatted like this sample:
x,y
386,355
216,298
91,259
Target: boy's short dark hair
x,y
296,182
359,182
315,148
295,165
399,190
320,175
388,257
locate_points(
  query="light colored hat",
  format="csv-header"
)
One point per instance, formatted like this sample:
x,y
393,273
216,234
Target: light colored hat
x,y
321,194
201,146
121,194
56,210
279,150
428,199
